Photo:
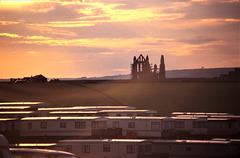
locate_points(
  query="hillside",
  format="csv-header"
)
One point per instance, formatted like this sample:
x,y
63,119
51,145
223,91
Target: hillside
x,y
185,73
163,97
198,73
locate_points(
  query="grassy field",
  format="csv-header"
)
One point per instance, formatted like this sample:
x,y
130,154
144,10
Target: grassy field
x,y
163,97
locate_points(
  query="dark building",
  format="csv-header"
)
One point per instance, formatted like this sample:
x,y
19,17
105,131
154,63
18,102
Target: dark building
x,y
33,79
232,75
142,70
39,79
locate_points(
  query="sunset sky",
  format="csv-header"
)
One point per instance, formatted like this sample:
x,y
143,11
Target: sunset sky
x,y
76,38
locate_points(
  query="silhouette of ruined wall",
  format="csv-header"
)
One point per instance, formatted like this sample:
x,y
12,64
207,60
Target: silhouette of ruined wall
x,y
142,70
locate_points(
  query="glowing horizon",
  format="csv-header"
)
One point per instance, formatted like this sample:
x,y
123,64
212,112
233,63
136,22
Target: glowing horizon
x,y
73,39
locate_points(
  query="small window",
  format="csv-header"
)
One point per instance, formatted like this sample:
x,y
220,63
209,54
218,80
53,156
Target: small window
x,y
230,125
106,147
169,148
141,149
155,126
131,124
69,148
129,114
99,124
43,125
130,149
80,125
62,124
115,124
86,149
180,124
199,124
29,125
12,126
188,148
144,148
7,126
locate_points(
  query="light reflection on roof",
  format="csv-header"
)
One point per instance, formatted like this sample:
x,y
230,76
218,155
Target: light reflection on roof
x,y
103,140
7,119
35,144
39,118
20,103
62,118
60,108
86,108
218,119
132,111
202,113
41,151
14,107
72,112
135,117
94,117
191,141
16,112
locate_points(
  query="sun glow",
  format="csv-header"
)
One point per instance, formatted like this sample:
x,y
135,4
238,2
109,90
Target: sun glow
x,y
14,4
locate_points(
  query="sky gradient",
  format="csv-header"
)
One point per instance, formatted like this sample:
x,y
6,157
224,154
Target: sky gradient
x,y
77,38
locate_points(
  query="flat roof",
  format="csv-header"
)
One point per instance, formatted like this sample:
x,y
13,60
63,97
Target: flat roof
x,y
143,140
126,110
201,113
34,144
97,118
87,108
192,141
61,118
103,141
135,117
14,107
72,112
218,119
42,151
16,112
7,119
20,103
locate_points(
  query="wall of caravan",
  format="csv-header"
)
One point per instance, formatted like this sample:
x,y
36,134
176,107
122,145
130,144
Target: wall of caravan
x,y
118,127
145,148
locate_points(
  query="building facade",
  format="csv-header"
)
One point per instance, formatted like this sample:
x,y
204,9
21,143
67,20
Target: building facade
x,y
142,70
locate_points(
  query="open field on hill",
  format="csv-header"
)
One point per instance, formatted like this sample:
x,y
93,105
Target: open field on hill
x,y
163,97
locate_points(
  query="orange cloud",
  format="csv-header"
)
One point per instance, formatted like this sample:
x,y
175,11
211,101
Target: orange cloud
x,y
31,53
107,53
8,22
10,35
13,4
38,37
220,20
71,61
99,42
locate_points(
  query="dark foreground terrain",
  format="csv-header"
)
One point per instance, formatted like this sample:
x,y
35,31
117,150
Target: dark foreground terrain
x,y
165,97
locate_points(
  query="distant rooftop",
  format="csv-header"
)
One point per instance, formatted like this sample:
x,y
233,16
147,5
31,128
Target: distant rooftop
x,y
20,103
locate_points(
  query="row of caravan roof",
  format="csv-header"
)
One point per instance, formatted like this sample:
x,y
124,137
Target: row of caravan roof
x,y
39,113
124,148
6,152
145,148
114,122
41,109
37,110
